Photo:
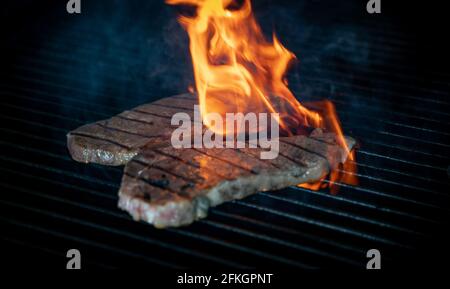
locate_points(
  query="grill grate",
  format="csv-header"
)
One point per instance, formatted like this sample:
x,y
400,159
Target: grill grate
x,y
71,77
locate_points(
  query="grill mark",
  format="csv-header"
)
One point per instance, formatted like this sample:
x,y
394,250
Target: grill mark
x,y
148,165
289,158
312,152
149,113
173,106
176,158
226,161
101,139
255,157
166,117
135,120
271,163
189,163
126,132
292,160
214,172
322,141
306,150
155,184
330,143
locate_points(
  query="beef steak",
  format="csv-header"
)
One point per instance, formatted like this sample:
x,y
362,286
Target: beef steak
x,y
173,187
116,140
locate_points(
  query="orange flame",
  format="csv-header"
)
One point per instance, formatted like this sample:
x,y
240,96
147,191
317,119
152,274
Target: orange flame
x,y
237,69
346,174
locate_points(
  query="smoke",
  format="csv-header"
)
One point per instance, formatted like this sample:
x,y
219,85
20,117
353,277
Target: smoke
x,y
126,53
123,52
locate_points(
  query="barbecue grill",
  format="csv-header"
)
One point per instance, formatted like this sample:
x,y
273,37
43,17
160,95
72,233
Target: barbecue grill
x,y
61,71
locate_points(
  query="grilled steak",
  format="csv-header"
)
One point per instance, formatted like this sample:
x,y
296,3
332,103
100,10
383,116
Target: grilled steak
x,y
173,187
116,140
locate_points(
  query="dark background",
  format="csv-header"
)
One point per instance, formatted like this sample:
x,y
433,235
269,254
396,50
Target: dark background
x,y
387,74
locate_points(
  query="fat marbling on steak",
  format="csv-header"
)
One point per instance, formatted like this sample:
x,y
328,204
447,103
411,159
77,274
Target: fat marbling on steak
x,y
172,187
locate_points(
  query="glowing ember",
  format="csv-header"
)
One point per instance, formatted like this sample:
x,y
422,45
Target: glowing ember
x,y
237,69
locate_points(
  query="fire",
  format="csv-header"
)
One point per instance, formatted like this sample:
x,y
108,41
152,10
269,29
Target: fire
x,y
237,69
346,174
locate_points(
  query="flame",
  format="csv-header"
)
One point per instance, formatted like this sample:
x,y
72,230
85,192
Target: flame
x,y
346,174
237,70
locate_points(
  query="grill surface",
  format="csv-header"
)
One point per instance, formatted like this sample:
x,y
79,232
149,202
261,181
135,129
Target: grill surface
x,y
63,71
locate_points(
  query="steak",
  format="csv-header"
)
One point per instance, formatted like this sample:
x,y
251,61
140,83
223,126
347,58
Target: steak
x,y
171,187
116,140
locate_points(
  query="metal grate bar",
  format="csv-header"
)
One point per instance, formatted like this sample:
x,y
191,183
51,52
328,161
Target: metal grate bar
x,y
80,240
106,115
418,188
242,249
112,230
46,56
324,225
53,50
427,112
46,59
376,119
363,165
366,205
353,86
283,229
341,213
125,52
280,242
402,161
51,252
119,55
